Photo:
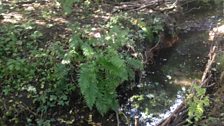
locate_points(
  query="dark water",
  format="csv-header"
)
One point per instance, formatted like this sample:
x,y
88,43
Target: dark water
x,y
164,84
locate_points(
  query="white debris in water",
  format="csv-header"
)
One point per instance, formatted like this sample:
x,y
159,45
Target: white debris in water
x,y
162,116
214,69
183,89
150,96
169,77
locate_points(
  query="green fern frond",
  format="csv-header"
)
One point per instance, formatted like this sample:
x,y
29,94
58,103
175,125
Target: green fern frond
x,y
115,66
88,83
75,41
117,37
88,50
106,101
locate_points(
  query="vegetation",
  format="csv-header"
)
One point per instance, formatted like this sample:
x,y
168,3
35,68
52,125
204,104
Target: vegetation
x,y
64,62
38,76
102,67
197,103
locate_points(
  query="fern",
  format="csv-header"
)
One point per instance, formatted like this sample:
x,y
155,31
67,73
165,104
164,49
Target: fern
x,y
106,102
88,51
87,82
103,68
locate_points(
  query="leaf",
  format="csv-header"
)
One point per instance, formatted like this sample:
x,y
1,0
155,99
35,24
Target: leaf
x,y
134,63
53,97
88,51
75,41
103,103
88,83
67,5
117,37
115,65
101,107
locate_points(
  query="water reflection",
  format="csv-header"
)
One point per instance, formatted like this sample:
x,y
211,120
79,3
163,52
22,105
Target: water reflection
x,y
165,83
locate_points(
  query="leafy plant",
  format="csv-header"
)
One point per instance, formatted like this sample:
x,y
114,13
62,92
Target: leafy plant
x,y
32,73
67,5
146,29
39,75
102,67
197,103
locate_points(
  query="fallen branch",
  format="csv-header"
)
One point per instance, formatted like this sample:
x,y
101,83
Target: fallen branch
x,y
212,56
136,6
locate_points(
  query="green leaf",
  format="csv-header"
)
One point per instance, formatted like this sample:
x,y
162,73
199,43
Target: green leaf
x,y
88,83
134,63
88,51
67,5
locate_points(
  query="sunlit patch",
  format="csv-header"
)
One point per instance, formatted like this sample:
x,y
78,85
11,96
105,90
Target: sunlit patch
x,y
214,31
28,7
60,20
12,17
40,22
95,33
184,82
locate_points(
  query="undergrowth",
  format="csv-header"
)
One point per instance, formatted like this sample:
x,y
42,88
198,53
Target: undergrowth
x,y
103,66
38,76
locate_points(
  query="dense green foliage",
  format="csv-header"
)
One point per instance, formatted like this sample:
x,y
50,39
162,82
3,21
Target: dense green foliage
x,y
38,75
102,66
30,73
55,65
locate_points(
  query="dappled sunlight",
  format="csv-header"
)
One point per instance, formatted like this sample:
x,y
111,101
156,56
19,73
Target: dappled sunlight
x,y
68,61
185,82
40,22
60,20
12,17
216,31
30,7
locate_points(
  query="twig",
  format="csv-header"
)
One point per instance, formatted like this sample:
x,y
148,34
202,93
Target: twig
x,y
146,6
208,86
136,121
205,81
24,106
168,120
117,116
127,120
212,56
194,8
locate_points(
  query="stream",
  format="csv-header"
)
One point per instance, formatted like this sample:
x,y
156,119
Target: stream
x,y
166,82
